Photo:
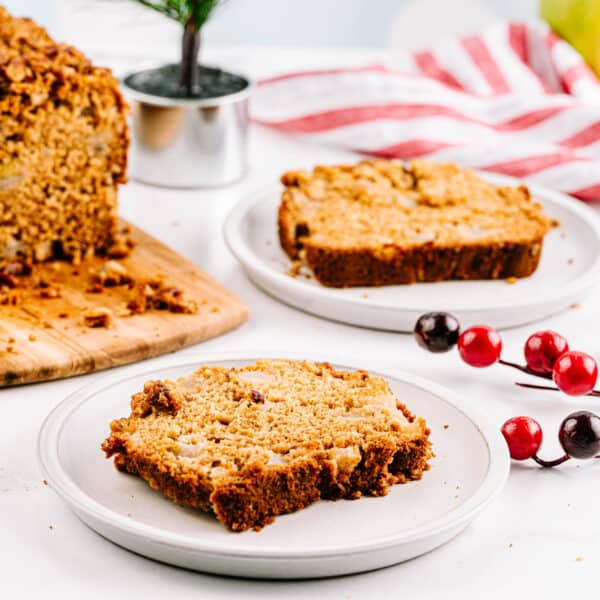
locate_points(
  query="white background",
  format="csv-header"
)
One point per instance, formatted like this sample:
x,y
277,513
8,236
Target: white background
x,y
540,539
308,23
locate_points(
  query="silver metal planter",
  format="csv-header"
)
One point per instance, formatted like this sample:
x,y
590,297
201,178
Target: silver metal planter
x,y
188,143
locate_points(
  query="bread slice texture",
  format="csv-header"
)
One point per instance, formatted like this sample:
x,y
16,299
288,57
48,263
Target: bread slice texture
x,y
251,443
63,148
386,222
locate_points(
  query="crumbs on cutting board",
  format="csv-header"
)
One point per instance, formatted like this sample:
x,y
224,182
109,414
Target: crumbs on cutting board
x,y
26,283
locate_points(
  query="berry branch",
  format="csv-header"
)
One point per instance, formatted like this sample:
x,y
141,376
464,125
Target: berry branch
x,y
523,368
547,355
550,388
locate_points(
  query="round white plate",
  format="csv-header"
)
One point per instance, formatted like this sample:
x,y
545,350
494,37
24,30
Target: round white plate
x,y
569,267
328,538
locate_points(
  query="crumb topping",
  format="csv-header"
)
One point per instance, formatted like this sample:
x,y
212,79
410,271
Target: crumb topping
x,y
382,204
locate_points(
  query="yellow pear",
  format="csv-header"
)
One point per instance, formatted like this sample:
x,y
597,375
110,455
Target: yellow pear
x,y
578,22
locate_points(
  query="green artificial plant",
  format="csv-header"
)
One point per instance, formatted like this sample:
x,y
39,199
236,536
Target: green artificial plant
x,y
192,15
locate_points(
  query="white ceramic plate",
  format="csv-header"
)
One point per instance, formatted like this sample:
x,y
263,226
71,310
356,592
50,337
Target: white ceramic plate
x,y
328,538
569,267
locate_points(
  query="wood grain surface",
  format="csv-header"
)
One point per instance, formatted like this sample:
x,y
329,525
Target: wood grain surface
x,y
46,338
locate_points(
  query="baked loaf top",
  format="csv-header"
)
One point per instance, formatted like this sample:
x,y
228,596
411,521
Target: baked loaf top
x,y
246,429
31,61
378,202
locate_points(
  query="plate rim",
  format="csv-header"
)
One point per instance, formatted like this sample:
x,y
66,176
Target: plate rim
x,y
53,425
250,261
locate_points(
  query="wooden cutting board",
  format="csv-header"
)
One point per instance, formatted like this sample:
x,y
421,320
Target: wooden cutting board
x,y
42,339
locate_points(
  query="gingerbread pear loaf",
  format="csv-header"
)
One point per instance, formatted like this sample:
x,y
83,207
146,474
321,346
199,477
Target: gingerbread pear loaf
x,y
250,443
63,147
383,222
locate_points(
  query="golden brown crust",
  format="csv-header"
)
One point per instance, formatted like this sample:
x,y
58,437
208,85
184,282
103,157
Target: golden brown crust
x,y
226,466
385,223
63,147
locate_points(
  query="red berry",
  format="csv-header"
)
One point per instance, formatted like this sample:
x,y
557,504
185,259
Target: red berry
x,y
523,436
480,346
542,349
575,373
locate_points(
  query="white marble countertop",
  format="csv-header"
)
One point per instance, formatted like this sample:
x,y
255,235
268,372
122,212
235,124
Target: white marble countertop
x,y
539,539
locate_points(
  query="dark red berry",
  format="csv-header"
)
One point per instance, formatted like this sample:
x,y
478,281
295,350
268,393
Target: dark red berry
x,y
480,346
437,331
579,434
575,373
523,436
542,349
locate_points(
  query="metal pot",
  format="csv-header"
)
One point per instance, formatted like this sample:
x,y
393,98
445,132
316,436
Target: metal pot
x,y
188,143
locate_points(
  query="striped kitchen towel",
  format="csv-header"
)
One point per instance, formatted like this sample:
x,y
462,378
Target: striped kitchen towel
x,y
515,100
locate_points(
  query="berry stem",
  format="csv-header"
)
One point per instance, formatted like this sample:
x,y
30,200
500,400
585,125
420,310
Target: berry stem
x,y
550,463
524,369
550,388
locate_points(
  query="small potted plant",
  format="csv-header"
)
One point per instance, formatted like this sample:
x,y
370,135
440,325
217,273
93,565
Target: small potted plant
x,y
190,121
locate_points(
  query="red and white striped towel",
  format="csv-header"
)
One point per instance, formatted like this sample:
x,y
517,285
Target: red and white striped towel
x,y
515,99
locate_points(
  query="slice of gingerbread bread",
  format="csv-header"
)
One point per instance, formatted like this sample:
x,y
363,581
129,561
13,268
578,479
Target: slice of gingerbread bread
x,y
251,443
386,222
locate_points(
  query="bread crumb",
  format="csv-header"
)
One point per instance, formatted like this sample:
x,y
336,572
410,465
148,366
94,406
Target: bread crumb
x,y
47,325
50,526
111,274
215,309
446,426
63,315
32,337
510,545
156,294
579,559
571,261
295,268
11,340
98,317
121,248
365,296
45,481
511,280
575,305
